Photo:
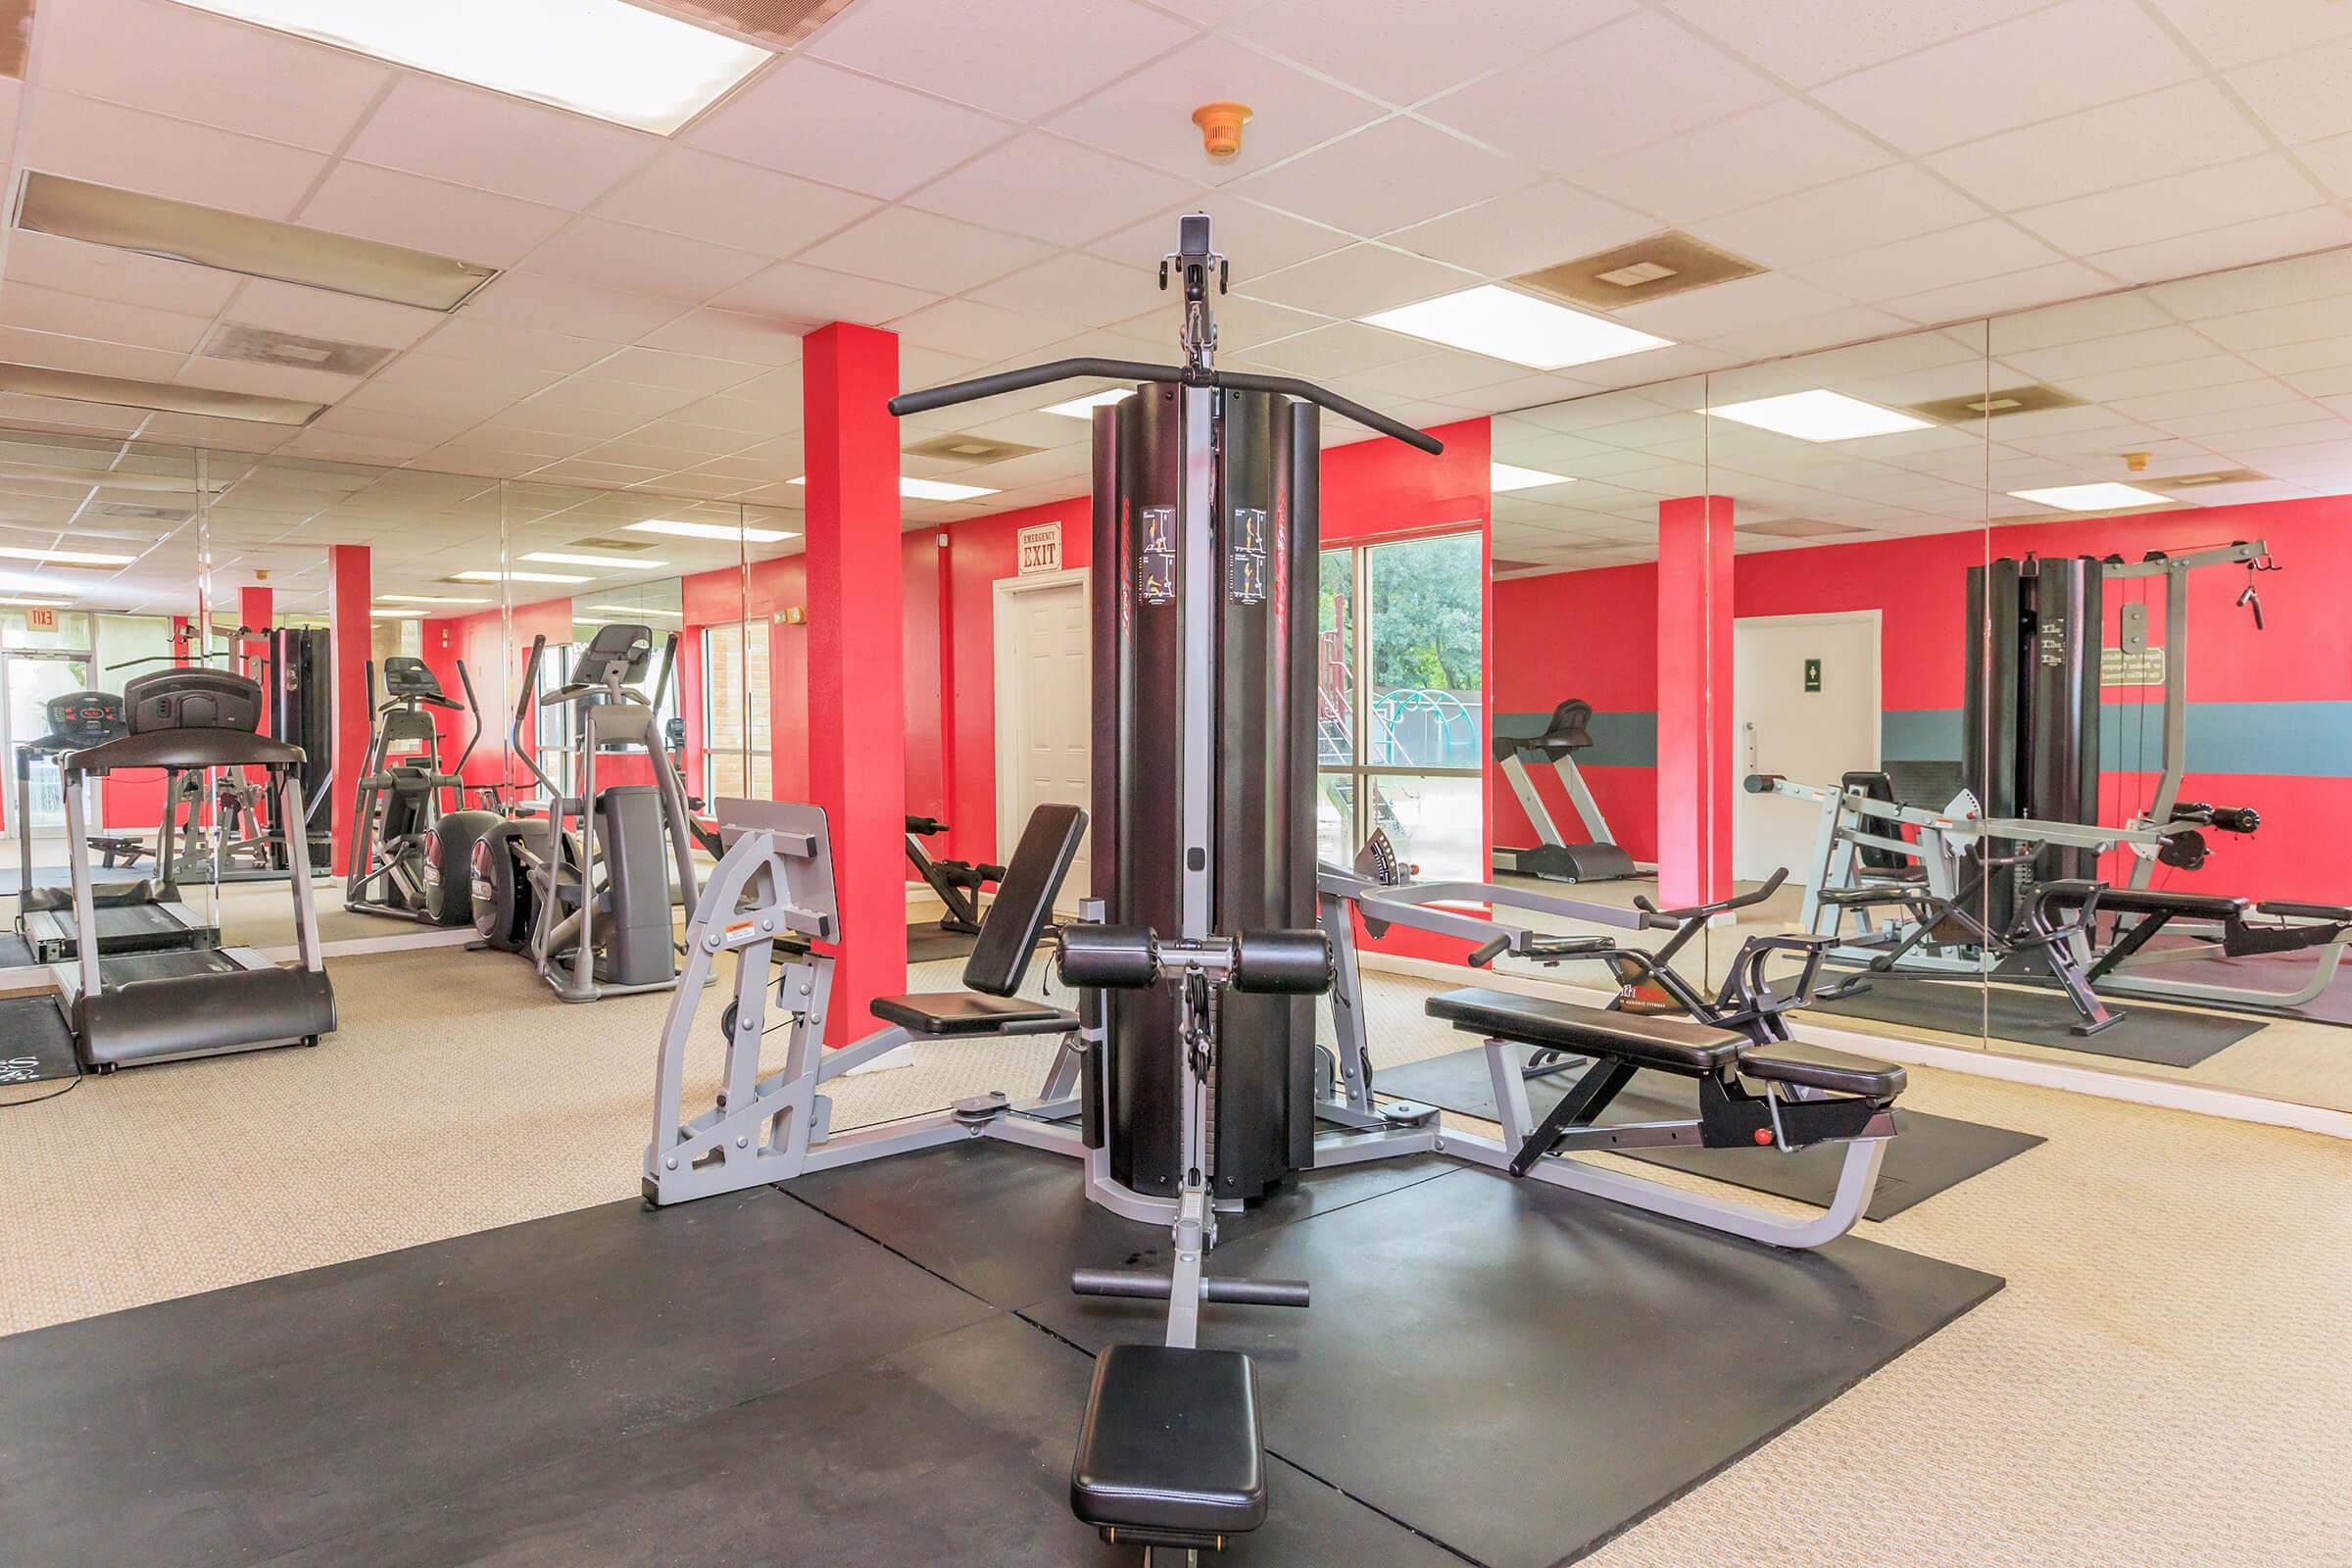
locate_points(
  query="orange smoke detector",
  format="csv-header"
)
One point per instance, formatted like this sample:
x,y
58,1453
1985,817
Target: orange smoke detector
x,y
1222,128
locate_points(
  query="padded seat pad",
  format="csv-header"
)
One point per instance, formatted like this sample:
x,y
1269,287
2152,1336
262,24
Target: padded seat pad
x,y
1171,1450
968,1012
1674,1045
1831,1071
2151,901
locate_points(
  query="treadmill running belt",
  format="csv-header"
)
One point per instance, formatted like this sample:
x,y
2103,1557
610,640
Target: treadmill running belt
x,y
124,968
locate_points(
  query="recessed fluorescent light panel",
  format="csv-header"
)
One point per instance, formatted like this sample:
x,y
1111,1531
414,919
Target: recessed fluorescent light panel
x,y
913,489
514,576
1505,324
2106,497
557,558
640,609
36,604
1817,416
76,387
257,247
604,57
429,599
1506,477
383,612
1084,407
66,558
713,531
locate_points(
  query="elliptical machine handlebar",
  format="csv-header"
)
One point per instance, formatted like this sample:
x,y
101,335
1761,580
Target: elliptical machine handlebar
x,y
523,710
1668,919
476,739
989,386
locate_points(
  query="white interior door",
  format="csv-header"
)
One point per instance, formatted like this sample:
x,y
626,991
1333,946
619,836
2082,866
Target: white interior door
x,y
1045,734
1805,705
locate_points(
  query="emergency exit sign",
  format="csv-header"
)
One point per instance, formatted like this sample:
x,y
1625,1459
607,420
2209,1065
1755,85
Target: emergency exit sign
x,y
40,619
1040,548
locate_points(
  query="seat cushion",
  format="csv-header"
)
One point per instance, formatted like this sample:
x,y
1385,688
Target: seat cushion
x,y
1170,1451
968,1012
1675,1045
1832,1073
2151,901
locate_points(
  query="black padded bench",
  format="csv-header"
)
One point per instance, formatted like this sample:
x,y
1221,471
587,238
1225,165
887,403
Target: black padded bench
x,y
1172,1452
1833,1096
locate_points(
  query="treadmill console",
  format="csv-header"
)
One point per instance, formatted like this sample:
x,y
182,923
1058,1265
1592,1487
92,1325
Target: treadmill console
x,y
86,718
193,699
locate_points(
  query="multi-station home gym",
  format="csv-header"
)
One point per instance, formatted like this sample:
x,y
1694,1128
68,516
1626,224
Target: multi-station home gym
x,y
1159,783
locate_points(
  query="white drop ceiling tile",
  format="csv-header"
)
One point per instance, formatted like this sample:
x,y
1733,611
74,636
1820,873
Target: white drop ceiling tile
x,y
577,310
1344,348
430,216
578,470
729,335
793,116
466,137
1357,281
2214,370
793,295
2170,132
579,405
1811,41
642,261
2181,204
738,205
1059,51
170,60
1780,149
2300,94
2051,62
778,390
924,250
331,317
2294,359
2255,240
110,145
2012,291
1534,226
686,373
1440,376
1906,267
1631,82
468,337
265,380
2077,323
2296,280
541,445
1728,306
642,453
982,331
1050,188
48,309
1356,41
2121,351
1852,324
101,273
1148,117
355,448
426,384
1076,287
2161,408
57,351
1389,175
2261,429
1853,215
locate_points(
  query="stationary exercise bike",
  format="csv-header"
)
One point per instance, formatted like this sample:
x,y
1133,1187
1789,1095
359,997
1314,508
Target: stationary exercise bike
x,y
409,858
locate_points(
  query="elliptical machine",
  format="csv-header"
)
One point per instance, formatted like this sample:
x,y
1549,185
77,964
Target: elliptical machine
x,y
409,858
591,903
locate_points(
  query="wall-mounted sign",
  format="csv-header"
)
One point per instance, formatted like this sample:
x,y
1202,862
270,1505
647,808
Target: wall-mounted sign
x,y
1812,674
1040,548
2125,668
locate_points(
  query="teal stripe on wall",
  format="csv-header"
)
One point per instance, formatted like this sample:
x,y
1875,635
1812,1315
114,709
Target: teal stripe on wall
x,y
1619,740
2305,740
1920,735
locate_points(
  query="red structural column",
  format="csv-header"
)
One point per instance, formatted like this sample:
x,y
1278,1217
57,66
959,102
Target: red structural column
x,y
255,606
351,633
1694,700
855,685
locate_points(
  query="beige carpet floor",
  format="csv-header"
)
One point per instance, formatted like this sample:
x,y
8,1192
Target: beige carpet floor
x,y
2164,1382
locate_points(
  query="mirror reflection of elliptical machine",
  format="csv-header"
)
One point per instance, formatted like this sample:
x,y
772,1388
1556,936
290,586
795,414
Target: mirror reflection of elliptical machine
x,y
587,886
410,856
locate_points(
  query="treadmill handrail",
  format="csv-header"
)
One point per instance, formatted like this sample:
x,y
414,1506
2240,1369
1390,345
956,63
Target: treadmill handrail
x,y
989,386
181,751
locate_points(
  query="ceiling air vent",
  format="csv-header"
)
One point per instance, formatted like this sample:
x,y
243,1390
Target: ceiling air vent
x,y
1971,407
968,449
1672,263
1797,528
605,542
2194,482
291,351
124,509
777,25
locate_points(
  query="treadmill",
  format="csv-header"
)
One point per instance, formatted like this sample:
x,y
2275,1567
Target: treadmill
x,y
131,916
134,1008
1555,859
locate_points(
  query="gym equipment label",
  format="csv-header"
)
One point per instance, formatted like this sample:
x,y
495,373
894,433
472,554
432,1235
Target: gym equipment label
x,y
1156,562
2142,668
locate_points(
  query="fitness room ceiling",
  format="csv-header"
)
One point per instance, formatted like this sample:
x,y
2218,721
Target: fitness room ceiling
x,y
1894,519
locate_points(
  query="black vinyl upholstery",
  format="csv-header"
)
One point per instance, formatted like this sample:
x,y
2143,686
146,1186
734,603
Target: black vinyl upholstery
x,y
185,749
1023,906
967,1012
1171,1452
1832,1073
1672,1045
2151,901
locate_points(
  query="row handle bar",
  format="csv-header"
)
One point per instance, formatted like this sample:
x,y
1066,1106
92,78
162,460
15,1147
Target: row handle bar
x,y
1663,918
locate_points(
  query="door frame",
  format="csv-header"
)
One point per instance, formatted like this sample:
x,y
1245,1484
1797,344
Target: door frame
x,y
999,647
9,658
1874,620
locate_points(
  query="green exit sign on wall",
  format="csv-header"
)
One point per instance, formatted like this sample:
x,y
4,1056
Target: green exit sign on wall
x,y
1812,674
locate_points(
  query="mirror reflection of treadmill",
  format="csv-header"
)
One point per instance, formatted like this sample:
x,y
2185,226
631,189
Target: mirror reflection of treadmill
x,y
1555,860
131,916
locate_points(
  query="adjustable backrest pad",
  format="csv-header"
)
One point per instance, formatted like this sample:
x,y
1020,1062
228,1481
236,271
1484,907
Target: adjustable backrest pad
x,y
1024,902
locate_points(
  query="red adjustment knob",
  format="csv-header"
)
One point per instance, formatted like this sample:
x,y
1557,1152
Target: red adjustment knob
x,y
1763,1134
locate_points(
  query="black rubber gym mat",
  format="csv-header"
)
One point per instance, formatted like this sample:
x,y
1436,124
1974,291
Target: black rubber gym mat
x,y
2150,1032
1930,1154
34,1044
240,1424
954,1452
15,952
1523,1372
2280,972
928,943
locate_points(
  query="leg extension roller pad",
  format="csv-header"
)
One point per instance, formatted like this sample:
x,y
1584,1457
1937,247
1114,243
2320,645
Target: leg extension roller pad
x,y
1171,1453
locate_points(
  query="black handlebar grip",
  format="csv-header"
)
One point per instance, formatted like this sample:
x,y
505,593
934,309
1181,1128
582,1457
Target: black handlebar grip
x,y
2236,818
1119,957
925,826
988,873
1761,783
1282,962
1490,952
